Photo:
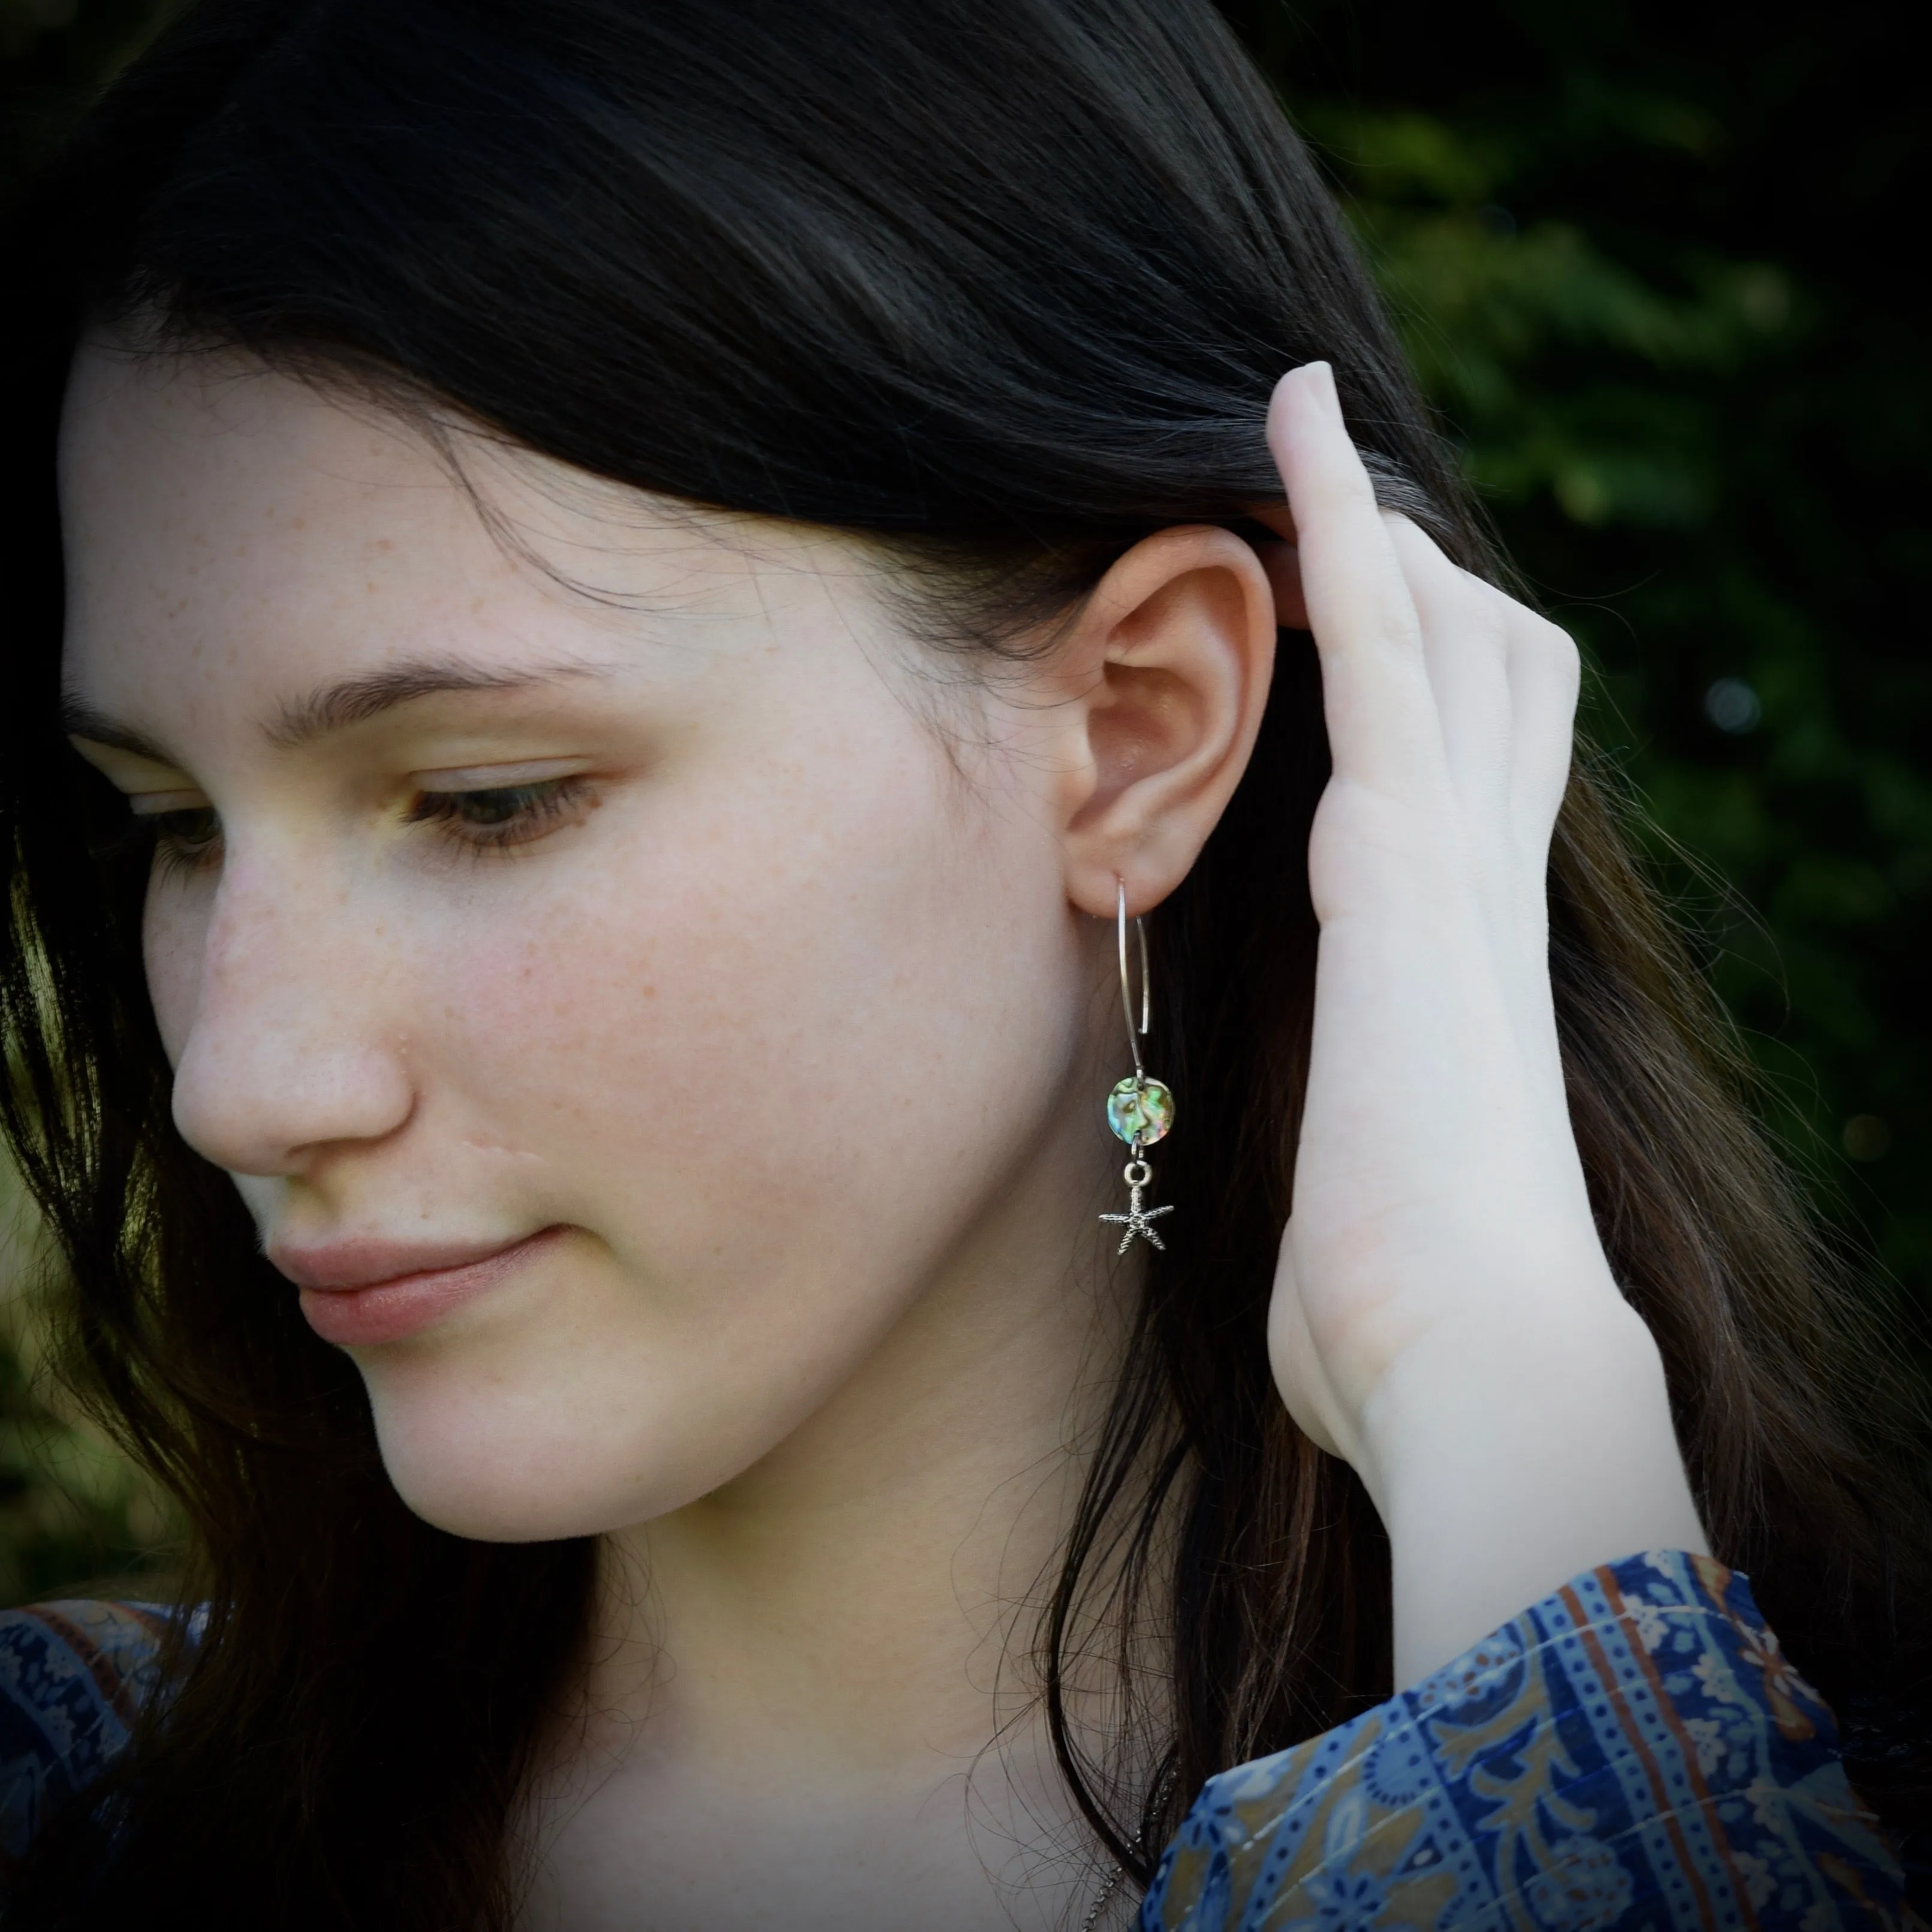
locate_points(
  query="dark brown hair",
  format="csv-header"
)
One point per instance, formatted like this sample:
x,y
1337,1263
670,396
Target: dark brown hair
x,y
1006,284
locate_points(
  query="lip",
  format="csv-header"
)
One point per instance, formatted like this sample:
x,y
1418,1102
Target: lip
x,y
358,1293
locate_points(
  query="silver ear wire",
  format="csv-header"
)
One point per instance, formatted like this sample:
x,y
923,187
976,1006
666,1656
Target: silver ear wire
x,y
1134,1032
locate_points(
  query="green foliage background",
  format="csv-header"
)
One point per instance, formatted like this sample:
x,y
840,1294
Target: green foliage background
x,y
1656,266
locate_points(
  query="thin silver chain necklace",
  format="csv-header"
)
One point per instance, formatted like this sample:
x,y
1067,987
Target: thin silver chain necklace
x,y
1099,1905
1117,1872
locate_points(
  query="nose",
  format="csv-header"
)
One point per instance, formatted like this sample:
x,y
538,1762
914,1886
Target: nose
x,y
290,1051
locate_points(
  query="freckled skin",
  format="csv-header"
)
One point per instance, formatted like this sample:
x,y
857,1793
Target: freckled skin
x,y
681,936
734,941
795,1019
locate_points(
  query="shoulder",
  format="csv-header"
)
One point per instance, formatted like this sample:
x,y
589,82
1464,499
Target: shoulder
x,y
74,1677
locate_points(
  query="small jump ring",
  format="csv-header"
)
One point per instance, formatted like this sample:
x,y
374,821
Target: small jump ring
x,y
1138,1174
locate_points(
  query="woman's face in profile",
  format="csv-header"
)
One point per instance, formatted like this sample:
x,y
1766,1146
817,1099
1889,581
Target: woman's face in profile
x,y
568,919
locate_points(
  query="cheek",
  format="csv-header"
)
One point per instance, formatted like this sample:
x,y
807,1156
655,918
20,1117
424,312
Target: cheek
x,y
758,996
174,929
773,1052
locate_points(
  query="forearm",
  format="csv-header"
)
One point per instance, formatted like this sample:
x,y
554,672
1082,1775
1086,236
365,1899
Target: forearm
x,y
1507,1457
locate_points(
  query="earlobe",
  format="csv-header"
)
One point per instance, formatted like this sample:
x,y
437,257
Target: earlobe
x,y
1171,660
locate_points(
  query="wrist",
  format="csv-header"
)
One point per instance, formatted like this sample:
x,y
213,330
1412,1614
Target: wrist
x,y
1506,1372
1508,1456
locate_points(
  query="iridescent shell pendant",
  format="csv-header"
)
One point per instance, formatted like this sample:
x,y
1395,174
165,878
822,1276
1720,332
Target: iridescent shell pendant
x,y
1140,1109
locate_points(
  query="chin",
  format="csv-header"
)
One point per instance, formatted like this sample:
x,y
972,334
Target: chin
x,y
487,1511
505,1466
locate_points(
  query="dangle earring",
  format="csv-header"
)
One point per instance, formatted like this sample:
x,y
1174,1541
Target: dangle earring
x,y
1139,1110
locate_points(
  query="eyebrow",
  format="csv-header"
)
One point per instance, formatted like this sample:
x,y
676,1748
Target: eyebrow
x,y
332,707
355,700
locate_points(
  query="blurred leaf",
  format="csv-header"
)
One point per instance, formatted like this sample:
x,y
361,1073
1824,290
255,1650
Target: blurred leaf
x,y
1649,261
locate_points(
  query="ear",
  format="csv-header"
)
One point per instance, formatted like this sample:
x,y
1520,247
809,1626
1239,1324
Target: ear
x,y
1162,678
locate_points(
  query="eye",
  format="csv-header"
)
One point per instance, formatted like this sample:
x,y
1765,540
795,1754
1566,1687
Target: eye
x,y
495,817
184,841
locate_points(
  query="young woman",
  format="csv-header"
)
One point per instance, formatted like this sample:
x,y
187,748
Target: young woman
x,y
769,725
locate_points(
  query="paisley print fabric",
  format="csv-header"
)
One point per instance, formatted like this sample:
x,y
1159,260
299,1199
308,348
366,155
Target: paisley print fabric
x,y
72,1677
1634,1751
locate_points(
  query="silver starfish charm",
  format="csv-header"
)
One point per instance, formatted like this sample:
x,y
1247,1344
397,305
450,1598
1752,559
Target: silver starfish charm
x,y
1136,1219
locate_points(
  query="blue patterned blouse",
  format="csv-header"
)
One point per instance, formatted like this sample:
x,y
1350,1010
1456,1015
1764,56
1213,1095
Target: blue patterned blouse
x,y
1633,1752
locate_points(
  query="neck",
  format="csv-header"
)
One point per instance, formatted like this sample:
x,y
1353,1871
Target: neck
x,y
849,1600
810,1697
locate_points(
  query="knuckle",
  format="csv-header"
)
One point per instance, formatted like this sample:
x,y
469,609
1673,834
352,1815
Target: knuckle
x,y
1564,654
1555,638
1500,611
1550,643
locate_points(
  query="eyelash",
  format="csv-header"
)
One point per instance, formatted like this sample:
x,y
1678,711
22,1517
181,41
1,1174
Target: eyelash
x,y
177,849
185,841
534,810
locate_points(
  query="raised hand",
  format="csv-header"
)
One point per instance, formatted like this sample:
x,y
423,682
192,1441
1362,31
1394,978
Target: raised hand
x,y
1443,1315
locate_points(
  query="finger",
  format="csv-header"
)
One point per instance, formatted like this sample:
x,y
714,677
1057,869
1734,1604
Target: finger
x,y
1545,673
1465,653
1382,726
